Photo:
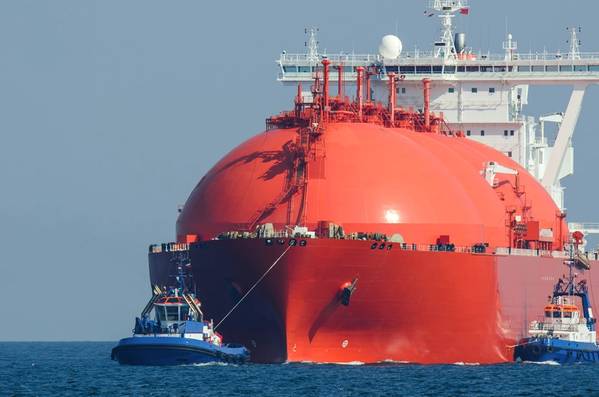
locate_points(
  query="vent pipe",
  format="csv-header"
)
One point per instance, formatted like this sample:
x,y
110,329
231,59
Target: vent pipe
x,y
325,73
392,78
427,102
359,71
340,80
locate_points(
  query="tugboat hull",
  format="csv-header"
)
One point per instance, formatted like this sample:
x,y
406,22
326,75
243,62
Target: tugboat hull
x,y
558,350
155,350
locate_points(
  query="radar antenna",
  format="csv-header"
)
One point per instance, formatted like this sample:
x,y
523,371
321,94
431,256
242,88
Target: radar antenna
x,y
574,43
446,10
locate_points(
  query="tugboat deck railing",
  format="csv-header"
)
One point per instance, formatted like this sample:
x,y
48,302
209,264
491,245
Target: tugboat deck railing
x,y
555,327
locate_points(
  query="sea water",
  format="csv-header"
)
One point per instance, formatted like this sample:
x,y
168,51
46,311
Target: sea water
x,y
85,368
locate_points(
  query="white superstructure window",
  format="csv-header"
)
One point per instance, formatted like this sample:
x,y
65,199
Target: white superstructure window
x,y
451,90
474,90
491,90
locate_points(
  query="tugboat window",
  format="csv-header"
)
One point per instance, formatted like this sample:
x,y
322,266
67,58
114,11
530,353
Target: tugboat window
x,y
160,313
172,313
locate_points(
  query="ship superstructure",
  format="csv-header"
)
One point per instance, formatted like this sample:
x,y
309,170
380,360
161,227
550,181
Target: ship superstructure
x,y
482,94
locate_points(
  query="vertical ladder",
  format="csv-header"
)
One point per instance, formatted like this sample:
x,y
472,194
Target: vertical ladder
x,y
157,292
195,308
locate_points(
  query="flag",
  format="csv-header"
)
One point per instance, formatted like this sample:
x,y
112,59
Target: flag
x,y
464,11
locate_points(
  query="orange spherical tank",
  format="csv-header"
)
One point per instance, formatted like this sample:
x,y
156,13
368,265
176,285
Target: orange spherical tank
x,y
369,178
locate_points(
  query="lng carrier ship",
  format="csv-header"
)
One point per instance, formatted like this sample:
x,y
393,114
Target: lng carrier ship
x,y
404,209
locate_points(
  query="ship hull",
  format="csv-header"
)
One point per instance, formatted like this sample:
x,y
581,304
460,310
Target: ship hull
x,y
406,305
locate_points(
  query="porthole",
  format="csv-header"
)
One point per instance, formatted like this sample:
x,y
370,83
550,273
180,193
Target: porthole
x,y
373,246
292,242
303,243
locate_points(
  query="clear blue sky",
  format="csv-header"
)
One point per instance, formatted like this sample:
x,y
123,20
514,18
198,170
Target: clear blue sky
x,y
111,111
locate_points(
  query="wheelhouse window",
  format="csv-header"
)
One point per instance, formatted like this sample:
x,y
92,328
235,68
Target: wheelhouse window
x,y
160,313
407,69
423,69
172,313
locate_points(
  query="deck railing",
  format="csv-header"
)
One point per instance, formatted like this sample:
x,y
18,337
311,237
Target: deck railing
x,y
427,57
386,244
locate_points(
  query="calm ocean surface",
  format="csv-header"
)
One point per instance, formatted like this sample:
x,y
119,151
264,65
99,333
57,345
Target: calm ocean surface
x,y
32,369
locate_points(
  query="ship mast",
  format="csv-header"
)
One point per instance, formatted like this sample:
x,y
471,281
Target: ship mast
x,y
446,10
574,43
312,44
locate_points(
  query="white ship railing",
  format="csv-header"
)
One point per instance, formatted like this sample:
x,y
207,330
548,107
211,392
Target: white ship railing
x,y
175,247
542,326
426,57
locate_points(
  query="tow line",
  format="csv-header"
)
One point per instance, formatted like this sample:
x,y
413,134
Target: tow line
x,y
253,286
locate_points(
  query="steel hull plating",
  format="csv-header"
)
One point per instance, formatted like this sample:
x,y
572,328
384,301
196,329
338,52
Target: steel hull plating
x,y
406,306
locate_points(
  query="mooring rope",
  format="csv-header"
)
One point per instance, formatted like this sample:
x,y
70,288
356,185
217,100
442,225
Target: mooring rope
x,y
253,286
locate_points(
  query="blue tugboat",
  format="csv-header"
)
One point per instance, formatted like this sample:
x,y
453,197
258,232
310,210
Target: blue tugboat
x,y
563,336
177,335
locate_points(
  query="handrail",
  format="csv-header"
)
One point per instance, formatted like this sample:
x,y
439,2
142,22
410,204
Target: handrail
x,y
427,56
474,249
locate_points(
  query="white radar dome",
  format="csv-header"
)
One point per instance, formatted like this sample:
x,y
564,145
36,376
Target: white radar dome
x,y
390,47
